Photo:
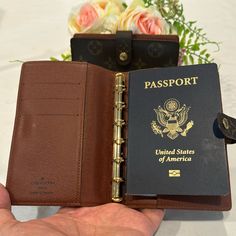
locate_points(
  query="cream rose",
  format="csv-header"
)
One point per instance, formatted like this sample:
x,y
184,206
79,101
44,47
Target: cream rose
x,y
97,16
143,20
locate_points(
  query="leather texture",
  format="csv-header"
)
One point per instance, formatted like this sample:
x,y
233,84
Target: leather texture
x,y
125,52
62,146
227,125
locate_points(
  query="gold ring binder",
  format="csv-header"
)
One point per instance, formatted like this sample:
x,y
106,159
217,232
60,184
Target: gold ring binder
x,y
119,105
118,180
119,160
120,88
119,141
119,123
117,133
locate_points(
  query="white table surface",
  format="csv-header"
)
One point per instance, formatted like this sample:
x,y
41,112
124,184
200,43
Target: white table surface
x,y
36,30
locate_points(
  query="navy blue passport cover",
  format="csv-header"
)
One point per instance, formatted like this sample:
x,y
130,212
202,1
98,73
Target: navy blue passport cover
x,y
174,145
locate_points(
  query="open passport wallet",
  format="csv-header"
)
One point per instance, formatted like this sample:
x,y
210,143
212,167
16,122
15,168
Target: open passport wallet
x,y
150,138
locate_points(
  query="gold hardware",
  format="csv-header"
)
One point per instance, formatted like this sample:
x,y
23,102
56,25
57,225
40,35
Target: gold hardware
x,y
117,136
123,56
119,123
119,105
174,173
118,160
118,180
120,88
119,141
225,123
118,199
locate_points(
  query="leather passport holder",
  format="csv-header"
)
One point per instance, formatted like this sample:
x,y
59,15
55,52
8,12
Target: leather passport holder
x,y
125,52
71,135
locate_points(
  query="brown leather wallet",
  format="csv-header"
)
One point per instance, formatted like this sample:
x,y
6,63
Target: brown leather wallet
x,y
62,146
125,51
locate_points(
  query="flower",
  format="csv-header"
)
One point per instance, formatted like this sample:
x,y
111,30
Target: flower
x,y
96,16
87,16
142,20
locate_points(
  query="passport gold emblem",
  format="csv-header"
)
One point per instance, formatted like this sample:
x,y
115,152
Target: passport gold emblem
x,y
171,117
174,173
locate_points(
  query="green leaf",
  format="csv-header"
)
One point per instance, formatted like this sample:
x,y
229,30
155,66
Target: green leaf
x,y
124,5
191,59
195,47
53,59
185,59
189,41
182,42
199,60
203,51
178,27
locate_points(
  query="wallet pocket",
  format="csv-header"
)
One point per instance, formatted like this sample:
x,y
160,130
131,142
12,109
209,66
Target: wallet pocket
x,y
50,91
48,160
50,107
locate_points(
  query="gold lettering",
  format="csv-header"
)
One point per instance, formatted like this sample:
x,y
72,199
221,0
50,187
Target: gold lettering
x,y
194,80
153,84
188,81
159,83
165,83
177,82
147,84
171,82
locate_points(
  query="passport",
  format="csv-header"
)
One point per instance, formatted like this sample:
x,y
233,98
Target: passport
x,y
174,144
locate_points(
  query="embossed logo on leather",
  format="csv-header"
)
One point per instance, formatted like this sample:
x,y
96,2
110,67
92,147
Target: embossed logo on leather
x,y
95,47
154,50
172,117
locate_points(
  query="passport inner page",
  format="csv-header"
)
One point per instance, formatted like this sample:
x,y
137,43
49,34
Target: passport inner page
x,y
174,144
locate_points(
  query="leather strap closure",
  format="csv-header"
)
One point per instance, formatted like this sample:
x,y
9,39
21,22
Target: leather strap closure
x,y
123,47
227,126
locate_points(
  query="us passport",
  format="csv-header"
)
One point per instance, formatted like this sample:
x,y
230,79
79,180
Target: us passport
x,y
174,144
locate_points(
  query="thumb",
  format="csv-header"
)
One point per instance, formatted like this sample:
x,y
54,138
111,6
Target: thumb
x,y
5,202
155,216
5,206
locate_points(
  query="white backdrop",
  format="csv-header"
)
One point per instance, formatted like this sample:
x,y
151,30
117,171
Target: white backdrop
x,y
35,30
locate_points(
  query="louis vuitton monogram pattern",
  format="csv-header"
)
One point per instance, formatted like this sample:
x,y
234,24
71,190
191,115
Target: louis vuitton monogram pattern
x,y
145,54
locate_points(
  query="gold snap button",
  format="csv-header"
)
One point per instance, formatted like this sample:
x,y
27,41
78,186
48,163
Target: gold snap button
x,y
225,123
123,56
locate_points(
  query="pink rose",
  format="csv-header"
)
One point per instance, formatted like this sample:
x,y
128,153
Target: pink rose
x,y
148,24
95,16
87,16
142,20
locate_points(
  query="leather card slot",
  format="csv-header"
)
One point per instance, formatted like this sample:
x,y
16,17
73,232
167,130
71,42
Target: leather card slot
x,y
47,163
49,106
50,91
53,72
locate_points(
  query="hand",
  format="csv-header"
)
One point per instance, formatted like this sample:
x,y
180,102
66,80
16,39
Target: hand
x,y
109,219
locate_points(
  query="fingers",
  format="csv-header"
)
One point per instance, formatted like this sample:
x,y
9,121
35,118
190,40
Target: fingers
x,y
5,206
5,202
155,216
67,209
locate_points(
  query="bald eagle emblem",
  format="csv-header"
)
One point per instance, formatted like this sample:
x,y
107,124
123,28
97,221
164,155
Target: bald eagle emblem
x,y
171,118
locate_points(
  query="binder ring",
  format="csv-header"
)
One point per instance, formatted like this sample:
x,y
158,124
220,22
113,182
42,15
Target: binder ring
x,y
116,199
120,88
117,180
119,105
119,122
118,160
119,141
